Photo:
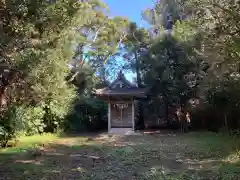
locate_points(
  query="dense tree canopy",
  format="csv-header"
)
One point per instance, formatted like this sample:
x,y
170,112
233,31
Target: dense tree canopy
x,y
39,40
55,53
208,33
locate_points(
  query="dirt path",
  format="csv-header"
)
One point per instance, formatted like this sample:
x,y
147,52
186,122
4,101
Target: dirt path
x,y
111,158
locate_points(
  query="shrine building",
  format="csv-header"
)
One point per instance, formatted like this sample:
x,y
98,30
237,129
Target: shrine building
x,y
121,96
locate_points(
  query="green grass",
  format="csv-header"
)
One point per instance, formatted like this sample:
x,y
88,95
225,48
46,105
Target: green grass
x,y
29,142
210,145
192,156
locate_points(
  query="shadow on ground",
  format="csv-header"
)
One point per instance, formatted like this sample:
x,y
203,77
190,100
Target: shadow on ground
x,y
174,156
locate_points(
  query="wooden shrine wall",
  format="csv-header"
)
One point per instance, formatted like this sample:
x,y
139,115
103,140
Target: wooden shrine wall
x,y
126,121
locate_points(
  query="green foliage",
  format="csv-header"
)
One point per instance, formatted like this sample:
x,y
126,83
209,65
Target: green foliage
x,y
164,14
170,61
31,119
39,39
217,24
89,114
199,59
21,120
205,37
10,126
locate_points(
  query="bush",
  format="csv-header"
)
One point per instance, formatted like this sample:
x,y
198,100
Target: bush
x,y
9,126
31,119
88,114
20,120
36,120
51,120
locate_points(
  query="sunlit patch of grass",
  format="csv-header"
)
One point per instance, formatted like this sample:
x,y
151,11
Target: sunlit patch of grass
x,y
29,142
79,169
70,141
234,157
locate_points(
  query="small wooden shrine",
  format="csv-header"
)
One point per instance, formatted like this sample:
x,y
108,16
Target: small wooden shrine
x,y
120,96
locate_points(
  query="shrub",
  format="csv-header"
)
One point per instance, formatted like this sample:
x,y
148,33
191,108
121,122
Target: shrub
x,y
51,120
10,127
89,114
31,119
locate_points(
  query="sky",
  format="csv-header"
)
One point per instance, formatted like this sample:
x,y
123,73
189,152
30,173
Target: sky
x,y
131,9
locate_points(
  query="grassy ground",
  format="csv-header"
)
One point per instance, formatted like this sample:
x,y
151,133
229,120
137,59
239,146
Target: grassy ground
x,y
30,142
102,157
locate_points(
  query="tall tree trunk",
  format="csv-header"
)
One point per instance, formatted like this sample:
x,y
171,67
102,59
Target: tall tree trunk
x,y
183,101
139,81
141,124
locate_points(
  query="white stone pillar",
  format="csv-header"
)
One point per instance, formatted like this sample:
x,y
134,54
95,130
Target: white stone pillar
x,y
109,116
133,116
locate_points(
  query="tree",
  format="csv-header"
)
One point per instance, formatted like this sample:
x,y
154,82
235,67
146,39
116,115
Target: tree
x,y
134,48
167,66
217,23
38,38
165,14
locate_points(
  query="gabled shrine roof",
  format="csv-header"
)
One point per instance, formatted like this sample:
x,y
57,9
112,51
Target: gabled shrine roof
x,y
121,78
121,86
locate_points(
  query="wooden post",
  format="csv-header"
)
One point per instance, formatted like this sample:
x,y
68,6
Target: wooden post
x,y
109,116
133,116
